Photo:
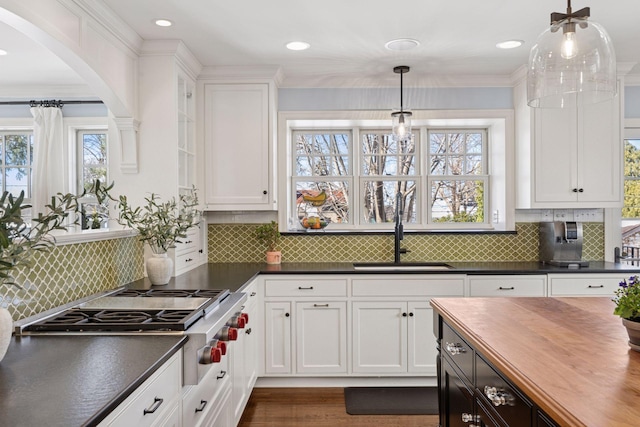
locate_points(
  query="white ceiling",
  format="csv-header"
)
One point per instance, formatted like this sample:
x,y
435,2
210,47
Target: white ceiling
x,y
347,37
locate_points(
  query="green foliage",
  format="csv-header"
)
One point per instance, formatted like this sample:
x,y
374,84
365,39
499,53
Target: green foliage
x,y
269,235
19,240
161,224
627,299
631,207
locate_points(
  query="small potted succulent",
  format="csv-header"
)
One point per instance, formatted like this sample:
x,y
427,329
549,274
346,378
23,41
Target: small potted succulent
x,y
627,301
270,236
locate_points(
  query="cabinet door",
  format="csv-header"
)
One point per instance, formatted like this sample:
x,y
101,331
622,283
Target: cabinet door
x,y
277,337
556,162
236,353
600,170
237,146
457,399
422,348
321,337
379,337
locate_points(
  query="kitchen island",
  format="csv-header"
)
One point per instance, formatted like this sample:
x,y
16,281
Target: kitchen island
x,y
563,360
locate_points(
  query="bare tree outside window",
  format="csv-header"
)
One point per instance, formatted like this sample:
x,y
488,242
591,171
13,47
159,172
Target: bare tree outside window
x,y
16,162
93,152
457,175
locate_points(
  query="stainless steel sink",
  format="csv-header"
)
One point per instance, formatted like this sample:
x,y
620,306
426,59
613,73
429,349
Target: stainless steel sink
x,y
406,266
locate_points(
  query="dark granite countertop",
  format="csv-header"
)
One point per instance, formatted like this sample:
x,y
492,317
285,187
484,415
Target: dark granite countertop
x,y
75,380
234,276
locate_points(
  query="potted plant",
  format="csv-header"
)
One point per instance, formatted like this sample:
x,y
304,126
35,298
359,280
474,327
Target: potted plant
x,y
161,225
627,301
270,236
19,241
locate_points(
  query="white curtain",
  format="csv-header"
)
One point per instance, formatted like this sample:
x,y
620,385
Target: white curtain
x,y
50,157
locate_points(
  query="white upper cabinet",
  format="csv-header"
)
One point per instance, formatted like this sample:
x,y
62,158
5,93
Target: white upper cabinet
x,y
569,157
239,146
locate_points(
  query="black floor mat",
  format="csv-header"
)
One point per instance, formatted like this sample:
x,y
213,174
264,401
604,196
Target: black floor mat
x,y
391,400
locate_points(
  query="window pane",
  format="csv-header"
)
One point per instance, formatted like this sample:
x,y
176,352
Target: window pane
x,y
474,143
322,154
94,151
379,201
326,199
437,143
457,201
93,173
473,165
16,180
631,207
632,158
17,150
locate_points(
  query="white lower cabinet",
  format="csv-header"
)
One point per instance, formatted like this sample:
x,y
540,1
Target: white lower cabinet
x,y
585,284
277,337
243,357
156,402
508,286
200,401
321,337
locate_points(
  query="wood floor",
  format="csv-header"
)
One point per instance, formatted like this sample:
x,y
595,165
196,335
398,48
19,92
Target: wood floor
x,y
304,407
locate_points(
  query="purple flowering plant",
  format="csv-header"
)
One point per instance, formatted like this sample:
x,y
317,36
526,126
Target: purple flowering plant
x,y
627,299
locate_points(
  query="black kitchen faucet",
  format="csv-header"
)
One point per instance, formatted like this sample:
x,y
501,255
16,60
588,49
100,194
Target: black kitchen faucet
x,y
399,230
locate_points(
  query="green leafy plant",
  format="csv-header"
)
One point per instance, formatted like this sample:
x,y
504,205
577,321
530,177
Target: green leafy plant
x,y
627,299
269,235
19,241
161,224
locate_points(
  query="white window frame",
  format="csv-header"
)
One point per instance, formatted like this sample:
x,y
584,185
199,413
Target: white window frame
x,y
80,165
499,210
8,130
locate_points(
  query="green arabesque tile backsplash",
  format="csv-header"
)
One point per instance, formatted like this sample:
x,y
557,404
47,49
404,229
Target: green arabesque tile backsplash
x,y
70,272
237,243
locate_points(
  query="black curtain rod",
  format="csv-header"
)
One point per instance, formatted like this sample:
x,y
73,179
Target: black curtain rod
x,y
48,103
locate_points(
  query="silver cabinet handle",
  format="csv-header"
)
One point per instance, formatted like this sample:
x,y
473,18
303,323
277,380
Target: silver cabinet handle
x,y
455,348
468,418
497,397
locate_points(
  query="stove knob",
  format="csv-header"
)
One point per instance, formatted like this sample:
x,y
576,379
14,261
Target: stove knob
x,y
222,346
219,344
227,333
210,355
246,317
236,322
233,334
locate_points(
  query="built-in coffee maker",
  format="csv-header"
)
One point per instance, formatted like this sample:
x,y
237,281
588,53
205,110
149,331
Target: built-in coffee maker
x,y
561,244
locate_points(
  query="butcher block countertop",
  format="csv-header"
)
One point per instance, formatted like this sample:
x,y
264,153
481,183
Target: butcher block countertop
x,y
569,355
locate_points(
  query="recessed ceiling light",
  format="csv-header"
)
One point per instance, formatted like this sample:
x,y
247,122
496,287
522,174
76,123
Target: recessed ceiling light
x,y
3,52
163,23
509,44
298,45
402,44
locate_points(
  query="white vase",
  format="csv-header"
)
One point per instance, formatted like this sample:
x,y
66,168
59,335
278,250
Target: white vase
x,y
6,327
159,269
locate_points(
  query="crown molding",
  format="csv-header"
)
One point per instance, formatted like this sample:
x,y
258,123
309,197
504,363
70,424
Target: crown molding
x,y
185,58
28,92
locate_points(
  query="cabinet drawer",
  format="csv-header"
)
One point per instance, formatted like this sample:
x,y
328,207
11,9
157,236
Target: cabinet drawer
x,y
458,350
186,260
305,288
198,401
512,286
500,395
434,286
587,285
158,394
189,243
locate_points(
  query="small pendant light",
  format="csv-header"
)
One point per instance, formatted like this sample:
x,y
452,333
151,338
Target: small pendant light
x,y
571,58
401,120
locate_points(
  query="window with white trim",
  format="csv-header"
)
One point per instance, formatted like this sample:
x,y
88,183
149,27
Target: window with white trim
x,y
92,157
351,176
16,154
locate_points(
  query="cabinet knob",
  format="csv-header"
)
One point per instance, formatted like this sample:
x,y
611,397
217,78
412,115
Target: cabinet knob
x,y
410,314
264,192
286,315
404,314
581,190
498,397
575,190
455,348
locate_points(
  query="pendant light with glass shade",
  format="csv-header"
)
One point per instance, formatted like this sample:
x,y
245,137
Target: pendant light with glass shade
x,y
401,120
573,60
